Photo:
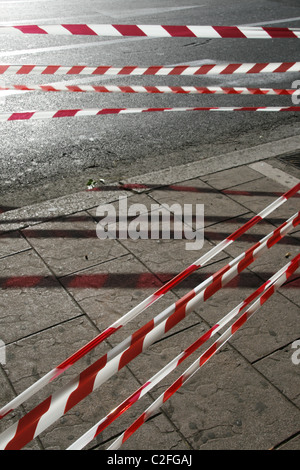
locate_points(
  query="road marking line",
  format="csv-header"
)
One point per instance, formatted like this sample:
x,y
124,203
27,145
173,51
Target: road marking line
x,y
263,23
274,174
45,20
71,46
147,11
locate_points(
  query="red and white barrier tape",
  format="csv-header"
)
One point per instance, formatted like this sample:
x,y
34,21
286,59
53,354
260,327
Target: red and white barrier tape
x,y
63,113
133,313
205,69
172,365
56,405
152,89
155,31
154,407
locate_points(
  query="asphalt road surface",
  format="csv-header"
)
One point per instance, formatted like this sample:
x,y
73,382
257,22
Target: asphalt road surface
x,y
45,159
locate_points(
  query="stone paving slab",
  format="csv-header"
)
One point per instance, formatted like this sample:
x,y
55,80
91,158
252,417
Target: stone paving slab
x,y
231,406
279,369
257,194
217,207
231,178
31,298
11,243
106,304
70,244
61,285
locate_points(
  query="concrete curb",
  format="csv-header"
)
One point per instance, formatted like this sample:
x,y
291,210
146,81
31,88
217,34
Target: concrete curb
x,y
67,205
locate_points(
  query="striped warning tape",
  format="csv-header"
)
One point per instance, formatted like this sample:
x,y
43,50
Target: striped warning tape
x,y
172,365
205,69
58,404
210,352
134,312
34,115
155,31
152,89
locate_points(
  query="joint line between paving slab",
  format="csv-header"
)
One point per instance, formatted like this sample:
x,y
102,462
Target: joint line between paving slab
x,y
61,285
214,223
285,441
250,364
15,253
92,266
115,436
281,348
234,185
35,333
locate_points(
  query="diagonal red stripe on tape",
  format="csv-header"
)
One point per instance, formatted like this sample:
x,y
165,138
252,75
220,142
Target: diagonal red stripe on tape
x,y
27,426
179,31
258,67
216,283
66,113
152,89
239,322
204,69
74,88
100,70
173,388
134,426
50,69
285,67
3,68
129,30
20,116
231,68
180,311
266,295
25,69
99,88
152,70
207,354
280,32
110,110
126,89
178,69
229,32
193,347
86,383
81,29
150,110
30,29
76,69
87,348
113,415
249,108
127,70
136,346
48,88
244,228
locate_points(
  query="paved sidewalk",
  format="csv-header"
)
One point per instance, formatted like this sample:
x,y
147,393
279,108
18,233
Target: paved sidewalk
x,y
61,285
